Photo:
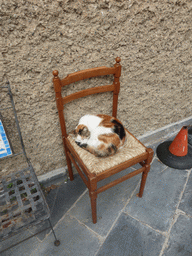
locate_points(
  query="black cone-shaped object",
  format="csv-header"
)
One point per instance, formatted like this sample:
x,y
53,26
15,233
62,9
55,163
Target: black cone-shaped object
x,y
173,160
177,162
190,136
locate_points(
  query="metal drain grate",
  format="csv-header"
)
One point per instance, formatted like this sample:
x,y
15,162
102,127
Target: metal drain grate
x,y
22,202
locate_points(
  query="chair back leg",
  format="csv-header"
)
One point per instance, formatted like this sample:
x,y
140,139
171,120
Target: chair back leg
x,y
70,171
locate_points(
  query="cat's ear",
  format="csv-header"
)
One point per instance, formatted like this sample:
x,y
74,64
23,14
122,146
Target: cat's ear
x,y
85,131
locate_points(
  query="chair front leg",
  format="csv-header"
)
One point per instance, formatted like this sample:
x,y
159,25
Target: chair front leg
x,y
145,173
93,197
143,180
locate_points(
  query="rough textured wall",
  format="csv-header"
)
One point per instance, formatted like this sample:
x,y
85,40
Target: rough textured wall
x,y
153,39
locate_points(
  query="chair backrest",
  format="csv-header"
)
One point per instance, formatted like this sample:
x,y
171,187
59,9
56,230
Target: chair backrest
x,y
85,74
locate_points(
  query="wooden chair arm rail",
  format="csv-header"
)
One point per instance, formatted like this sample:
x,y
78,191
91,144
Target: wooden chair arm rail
x,y
90,91
87,73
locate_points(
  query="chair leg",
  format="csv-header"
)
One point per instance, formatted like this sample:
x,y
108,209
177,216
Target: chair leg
x,y
70,171
145,173
93,197
143,181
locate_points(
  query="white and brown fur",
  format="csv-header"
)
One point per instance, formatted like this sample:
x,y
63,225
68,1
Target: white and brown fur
x,y
101,135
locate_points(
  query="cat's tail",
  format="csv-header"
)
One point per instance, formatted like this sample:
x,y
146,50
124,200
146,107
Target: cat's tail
x,y
101,151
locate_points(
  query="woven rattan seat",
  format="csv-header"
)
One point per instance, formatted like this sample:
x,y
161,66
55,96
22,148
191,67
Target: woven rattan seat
x,y
132,148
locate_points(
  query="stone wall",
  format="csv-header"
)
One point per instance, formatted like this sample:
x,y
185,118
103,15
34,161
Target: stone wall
x,y
153,39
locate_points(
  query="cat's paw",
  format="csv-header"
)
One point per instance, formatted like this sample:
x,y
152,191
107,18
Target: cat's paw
x,y
84,145
78,143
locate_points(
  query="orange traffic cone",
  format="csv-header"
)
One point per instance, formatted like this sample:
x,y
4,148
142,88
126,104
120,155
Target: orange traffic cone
x,y
177,153
179,146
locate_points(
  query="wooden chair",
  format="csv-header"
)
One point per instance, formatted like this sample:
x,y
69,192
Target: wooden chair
x,y
93,169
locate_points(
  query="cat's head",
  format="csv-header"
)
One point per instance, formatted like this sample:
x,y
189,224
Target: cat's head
x,y
81,133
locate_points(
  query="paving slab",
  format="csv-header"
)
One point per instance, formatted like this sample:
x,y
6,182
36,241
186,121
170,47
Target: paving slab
x,y
59,201
109,204
24,248
180,242
75,239
161,196
186,201
130,237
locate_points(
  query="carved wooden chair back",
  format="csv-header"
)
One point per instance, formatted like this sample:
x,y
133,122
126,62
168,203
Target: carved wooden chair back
x,y
90,177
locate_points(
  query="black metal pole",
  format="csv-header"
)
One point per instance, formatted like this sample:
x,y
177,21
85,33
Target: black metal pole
x,y
16,120
57,242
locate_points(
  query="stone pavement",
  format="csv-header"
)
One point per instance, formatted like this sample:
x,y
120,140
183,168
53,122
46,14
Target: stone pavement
x,y
158,224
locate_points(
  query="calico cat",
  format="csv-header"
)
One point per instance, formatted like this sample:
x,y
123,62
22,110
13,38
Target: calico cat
x,y
101,135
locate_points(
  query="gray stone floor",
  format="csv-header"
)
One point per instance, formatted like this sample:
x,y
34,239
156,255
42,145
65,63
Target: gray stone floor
x,y
158,224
